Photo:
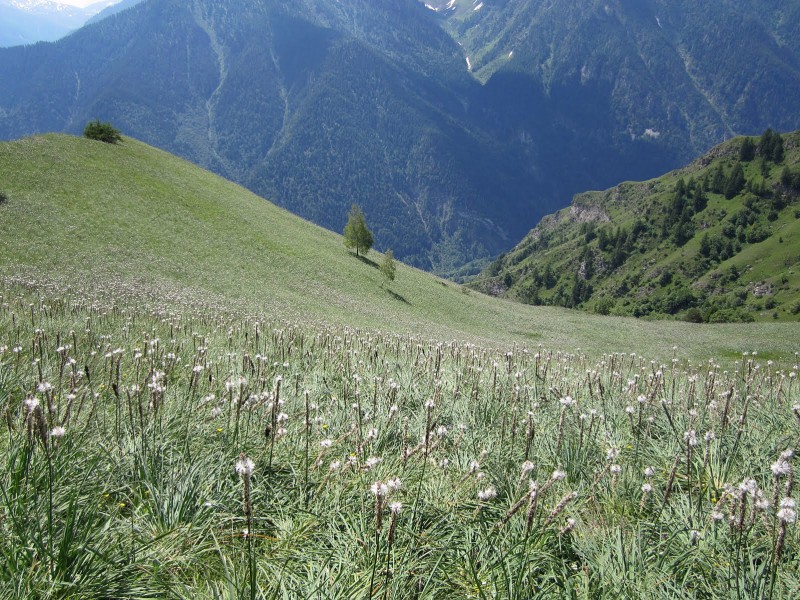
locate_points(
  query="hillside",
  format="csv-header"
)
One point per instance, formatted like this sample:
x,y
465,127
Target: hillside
x,y
130,221
204,396
718,240
315,105
456,130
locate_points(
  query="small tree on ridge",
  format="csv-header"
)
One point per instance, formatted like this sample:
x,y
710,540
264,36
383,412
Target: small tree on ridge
x,y
103,132
356,233
388,266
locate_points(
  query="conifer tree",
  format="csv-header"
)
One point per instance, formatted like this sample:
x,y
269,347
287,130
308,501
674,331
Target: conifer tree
x,y
747,151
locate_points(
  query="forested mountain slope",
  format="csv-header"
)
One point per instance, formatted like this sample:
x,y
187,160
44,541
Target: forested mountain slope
x,y
718,240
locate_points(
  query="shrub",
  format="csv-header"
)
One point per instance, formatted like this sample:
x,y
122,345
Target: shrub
x,y
730,315
3,198
103,132
693,315
603,306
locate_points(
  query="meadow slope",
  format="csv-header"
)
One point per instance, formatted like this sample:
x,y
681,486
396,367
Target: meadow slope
x,y
94,216
179,421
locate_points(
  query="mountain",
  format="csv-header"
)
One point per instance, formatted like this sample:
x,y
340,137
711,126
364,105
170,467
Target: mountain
x,y
127,222
31,21
115,8
716,241
677,74
456,129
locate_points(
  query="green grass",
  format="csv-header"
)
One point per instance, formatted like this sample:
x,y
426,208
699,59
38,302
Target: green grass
x,y
110,217
158,323
138,497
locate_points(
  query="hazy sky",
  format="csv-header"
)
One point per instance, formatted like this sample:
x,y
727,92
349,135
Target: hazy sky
x,y
81,3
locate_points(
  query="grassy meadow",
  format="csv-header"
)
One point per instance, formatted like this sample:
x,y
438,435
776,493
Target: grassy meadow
x,y
203,396
97,217
155,453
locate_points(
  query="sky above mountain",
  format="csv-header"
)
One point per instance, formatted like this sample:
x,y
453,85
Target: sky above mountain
x,y
79,3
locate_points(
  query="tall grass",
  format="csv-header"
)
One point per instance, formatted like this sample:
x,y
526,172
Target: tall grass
x,y
383,465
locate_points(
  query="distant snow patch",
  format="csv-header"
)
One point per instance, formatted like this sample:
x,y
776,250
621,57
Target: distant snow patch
x,y
469,64
480,6
659,23
511,54
651,134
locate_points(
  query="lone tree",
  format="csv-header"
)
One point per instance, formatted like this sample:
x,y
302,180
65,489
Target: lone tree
x,y
103,132
356,233
388,266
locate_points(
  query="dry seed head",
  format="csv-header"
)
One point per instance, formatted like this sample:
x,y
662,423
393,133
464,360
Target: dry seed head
x,y
379,489
394,484
781,468
787,515
489,493
245,466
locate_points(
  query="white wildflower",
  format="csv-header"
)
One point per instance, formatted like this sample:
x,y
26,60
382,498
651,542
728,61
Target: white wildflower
x,y
372,461
488,494
781,468
787,515
690,437
245,466
379,489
